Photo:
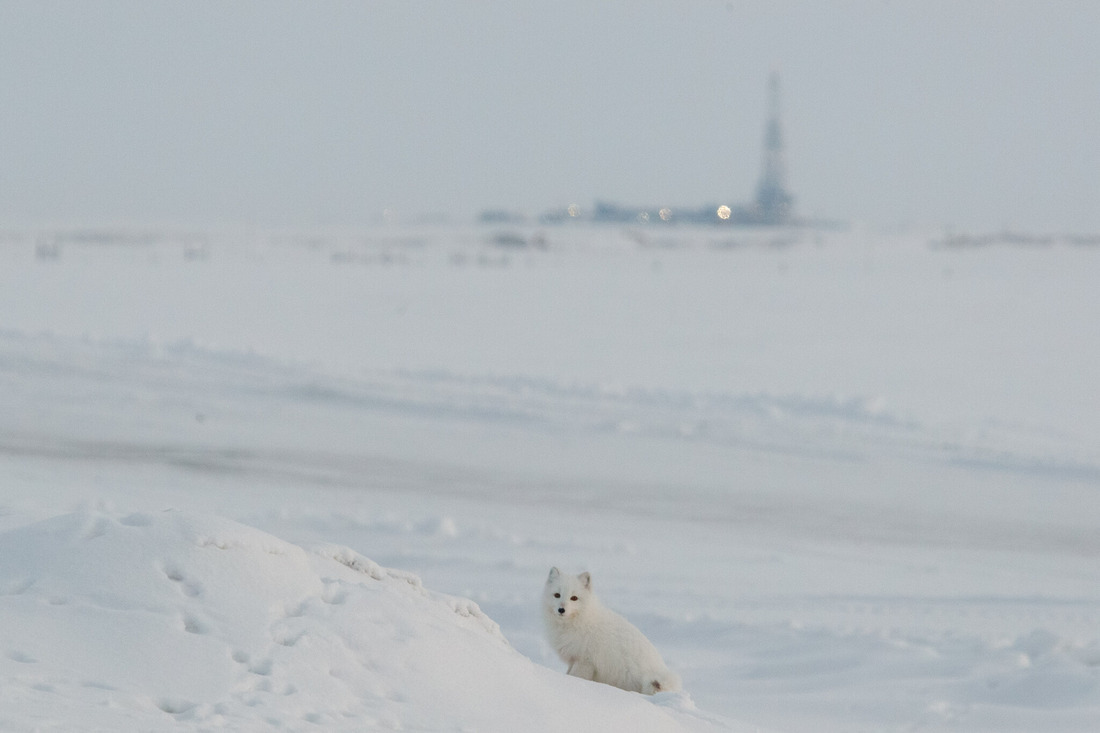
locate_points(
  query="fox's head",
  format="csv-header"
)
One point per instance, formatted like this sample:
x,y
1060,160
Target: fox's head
x,y
566,595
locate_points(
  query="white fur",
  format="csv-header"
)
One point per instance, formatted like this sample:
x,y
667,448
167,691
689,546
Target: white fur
x,y
597,643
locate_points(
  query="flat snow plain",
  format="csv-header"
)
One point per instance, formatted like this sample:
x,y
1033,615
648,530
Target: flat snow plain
x,y
845,481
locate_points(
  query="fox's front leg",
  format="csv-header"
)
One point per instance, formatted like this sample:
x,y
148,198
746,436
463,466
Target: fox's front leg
x,y
582,669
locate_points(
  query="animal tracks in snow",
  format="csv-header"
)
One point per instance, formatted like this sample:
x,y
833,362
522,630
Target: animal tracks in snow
x,y
189,587
193,624
284,636
215,624
175,706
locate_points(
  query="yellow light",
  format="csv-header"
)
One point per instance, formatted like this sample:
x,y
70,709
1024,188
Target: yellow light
x,y
724,212
665,214
574,210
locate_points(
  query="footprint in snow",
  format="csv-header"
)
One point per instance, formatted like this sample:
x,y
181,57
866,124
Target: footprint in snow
x,y
190,588
266,685
136,520
175,706
264,668
93,528
286,637
192,624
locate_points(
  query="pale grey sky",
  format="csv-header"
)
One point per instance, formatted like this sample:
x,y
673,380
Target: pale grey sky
x,y
972,114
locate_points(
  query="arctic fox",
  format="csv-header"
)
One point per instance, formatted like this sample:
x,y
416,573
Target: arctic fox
x,y
597,643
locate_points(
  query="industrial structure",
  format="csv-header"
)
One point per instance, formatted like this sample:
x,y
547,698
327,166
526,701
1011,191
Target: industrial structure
x,y
772,206
774,202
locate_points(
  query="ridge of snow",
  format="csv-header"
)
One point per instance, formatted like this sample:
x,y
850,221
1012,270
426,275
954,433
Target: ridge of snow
x,y
162,620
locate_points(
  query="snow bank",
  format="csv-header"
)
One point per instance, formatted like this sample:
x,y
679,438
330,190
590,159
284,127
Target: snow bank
x,y
175,620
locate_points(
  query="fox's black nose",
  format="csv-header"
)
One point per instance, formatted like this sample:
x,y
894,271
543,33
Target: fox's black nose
x,y
561,611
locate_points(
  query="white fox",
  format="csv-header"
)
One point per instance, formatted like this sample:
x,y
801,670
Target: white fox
x,y
597,643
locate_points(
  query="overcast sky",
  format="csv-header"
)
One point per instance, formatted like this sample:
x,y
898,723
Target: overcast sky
x,y
977,115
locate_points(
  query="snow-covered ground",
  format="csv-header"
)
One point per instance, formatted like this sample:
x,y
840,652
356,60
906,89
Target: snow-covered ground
x,y
844,481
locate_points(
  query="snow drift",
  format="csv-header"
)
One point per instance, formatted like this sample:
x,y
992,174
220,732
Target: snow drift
x,y
172,619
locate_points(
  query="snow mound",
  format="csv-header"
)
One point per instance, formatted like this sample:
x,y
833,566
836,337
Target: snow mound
x,y
181,621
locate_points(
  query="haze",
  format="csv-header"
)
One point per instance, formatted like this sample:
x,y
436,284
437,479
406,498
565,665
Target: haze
x,y
963,114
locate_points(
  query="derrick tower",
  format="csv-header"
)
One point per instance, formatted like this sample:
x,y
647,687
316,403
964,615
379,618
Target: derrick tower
x,y
773,201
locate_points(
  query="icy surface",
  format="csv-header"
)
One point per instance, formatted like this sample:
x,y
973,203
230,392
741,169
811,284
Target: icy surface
x,y
843,481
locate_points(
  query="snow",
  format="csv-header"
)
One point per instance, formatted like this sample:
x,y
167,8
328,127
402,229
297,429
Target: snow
x,y
844,481
179,620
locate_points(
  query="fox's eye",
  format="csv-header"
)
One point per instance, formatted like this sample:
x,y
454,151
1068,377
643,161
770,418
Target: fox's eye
x,y
573,598
557,595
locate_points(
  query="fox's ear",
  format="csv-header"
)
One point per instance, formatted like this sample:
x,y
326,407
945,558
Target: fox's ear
x,y
586,580
554,573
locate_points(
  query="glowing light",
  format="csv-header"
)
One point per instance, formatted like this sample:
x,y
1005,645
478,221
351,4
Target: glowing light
x,y
665,214
724,212
574,210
